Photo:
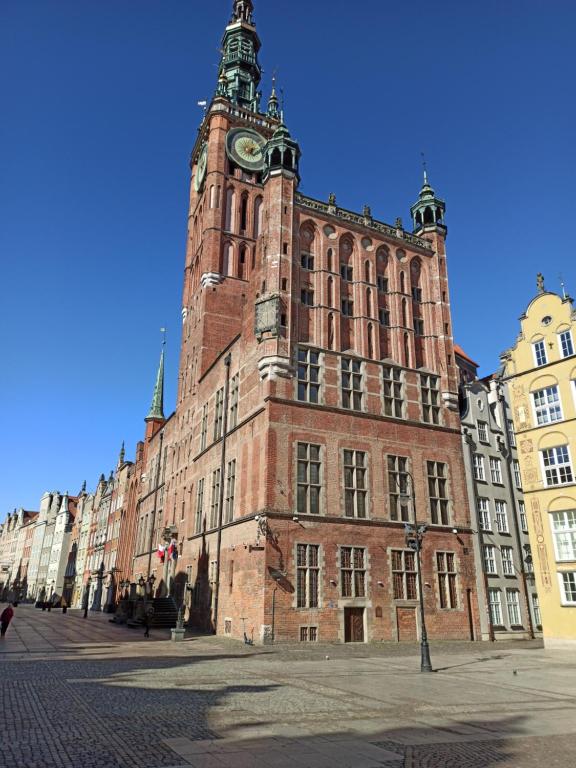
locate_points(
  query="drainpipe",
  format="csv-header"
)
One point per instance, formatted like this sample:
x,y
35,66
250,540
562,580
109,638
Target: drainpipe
x,y
512,482
227,363
468,439
154,509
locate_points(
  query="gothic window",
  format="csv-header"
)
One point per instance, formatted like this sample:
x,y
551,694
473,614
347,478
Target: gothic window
x,y
330,331
257,217
227,256
242,262
330,292
329,260
404,314
355,483
370,340
367,271
402,283
368,302
229,221
244,212
309,483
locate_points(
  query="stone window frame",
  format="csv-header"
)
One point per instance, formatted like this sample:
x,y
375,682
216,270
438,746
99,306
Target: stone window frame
x,y
397,488
489,562
430,398
353,569
507,557
539,353
484,519
483,434
353,391
230,492
308,382
447,581
391,397
501,516
478,467
199,510
215,498
568,531
432,500
319,485
234,401
409,586
495,591
567,579
495,464
218,414
365,489
516,607
565,349
309,569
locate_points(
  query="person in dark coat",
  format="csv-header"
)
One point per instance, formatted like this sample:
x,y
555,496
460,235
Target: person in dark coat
x,y
6,617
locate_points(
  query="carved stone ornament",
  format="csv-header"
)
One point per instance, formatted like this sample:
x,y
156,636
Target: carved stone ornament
x,y
210,278
275,367
450,400
526,446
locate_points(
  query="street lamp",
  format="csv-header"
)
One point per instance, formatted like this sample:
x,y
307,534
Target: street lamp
x,y
414,535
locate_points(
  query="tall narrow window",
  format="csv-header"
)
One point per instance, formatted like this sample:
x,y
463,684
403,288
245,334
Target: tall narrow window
x,y
244,213
330,331
257,217
568,585
204,427
308,375
368,302
496,470
233,411
352,383
507,560
352,572
566,344
430,395
523,518
540,357
330,292
370,341
536,609
199,506
501,517
229,222
393,388
517,475
230,489
404,574
307,577
511,433
215,500
218,413
398,487
446,565
309,481
490,560
557,466
484,514
438,492
495,607
383,316
513,606
482,431
355,485
478,467
347,307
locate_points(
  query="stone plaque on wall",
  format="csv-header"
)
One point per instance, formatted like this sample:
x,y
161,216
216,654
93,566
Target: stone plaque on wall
x,y
267,316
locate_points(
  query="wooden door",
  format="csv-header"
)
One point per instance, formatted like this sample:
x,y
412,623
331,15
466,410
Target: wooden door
x,y
354,625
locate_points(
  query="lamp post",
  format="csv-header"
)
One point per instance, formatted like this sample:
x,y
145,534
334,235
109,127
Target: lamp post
x,y
414,535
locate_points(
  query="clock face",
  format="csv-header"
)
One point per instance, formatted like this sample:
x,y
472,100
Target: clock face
x,y
201,168
246,148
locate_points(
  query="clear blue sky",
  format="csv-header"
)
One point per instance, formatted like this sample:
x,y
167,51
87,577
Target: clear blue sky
x,y
98,119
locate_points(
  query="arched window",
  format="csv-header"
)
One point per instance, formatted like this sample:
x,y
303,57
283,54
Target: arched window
x,y
330,260
402,283
404,314
276,158
229,222
330,292
406,351
288,160
346,260
307,243
330,331
227,254
257,217
242,265
243,212
428,215
367,271
368,302
213,196
370,340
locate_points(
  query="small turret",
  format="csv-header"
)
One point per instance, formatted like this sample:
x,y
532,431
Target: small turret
x,y
282,153
429,210
273,110
240,71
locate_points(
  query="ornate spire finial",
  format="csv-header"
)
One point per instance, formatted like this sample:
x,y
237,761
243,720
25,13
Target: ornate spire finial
x,y
157,408
122,454
83,489
562,286
424,168
242,11
273,104
540,282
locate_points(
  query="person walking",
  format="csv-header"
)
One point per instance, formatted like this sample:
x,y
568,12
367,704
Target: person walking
x,y
6,617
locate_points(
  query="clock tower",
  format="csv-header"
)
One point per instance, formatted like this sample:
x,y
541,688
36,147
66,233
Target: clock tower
x,y
316,377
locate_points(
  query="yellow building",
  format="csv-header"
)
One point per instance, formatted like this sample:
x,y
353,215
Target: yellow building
x,y
541,371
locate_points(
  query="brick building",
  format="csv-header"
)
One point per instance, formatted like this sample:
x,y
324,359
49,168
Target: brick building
x,y
317,401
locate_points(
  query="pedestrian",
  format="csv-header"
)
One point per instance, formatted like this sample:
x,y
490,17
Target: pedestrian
x,y
6,617
148,613
64,605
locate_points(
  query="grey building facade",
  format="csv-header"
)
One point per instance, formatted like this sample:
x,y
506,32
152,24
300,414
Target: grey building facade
x,y
506,586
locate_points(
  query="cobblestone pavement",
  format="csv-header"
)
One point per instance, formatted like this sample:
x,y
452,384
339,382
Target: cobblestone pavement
x,y
83,693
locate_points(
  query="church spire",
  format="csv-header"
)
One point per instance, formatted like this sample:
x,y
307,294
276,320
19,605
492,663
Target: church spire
x,y
240,71
428,210
157,408
273,103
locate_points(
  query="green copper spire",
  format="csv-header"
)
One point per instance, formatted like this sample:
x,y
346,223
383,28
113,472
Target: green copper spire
x,y
157,408
239,64
273,104
122,454
429,210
